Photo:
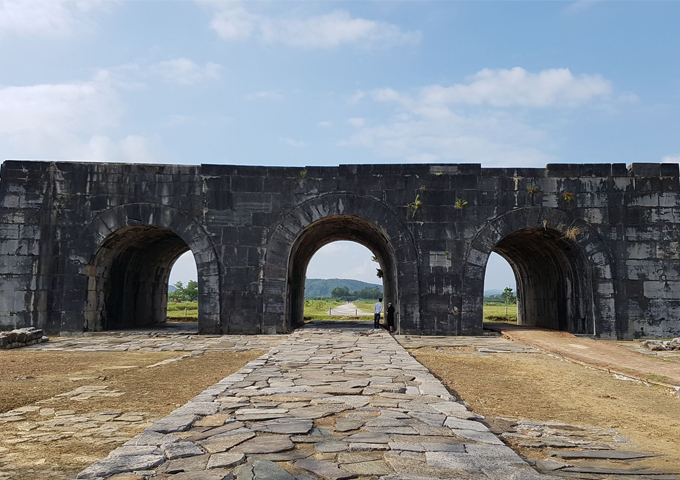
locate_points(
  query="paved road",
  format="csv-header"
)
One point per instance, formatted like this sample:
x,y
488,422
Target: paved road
x,y
349,309
325,403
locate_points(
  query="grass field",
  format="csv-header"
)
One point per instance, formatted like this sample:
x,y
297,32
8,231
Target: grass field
x,y
496,313
317,309
176,310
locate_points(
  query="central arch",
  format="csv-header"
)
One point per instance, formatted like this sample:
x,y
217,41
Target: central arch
x,y
323,232
562,268
325,219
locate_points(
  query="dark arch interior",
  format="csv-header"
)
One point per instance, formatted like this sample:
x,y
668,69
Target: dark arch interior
x,y
323,232
553,284
129,277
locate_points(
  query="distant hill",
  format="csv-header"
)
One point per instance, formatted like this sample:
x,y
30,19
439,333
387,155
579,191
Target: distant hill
x,y
492,292
171,288
319,287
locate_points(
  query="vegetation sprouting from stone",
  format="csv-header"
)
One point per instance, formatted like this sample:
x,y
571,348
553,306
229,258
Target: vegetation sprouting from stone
x,y
460,203
572,233
568,197
533,189
379,272
415,205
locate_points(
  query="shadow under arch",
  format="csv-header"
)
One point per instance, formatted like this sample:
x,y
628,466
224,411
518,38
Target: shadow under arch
x,y
325,219
118,268
562,267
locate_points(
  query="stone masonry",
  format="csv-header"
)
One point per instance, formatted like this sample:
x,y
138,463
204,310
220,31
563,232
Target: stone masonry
x,y
324,404
89,247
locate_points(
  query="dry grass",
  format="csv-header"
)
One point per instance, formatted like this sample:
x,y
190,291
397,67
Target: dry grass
x,y
29,376
542,388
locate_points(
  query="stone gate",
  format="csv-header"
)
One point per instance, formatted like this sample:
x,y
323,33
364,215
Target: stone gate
x,y
87,246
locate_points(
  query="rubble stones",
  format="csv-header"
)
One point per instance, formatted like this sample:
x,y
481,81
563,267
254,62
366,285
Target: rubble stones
x,y
21,337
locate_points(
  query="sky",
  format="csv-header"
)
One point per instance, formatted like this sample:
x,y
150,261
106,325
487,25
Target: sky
x,y
297,83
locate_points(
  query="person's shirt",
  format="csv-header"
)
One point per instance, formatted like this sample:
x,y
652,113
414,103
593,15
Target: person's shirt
x,y
390,310
377,308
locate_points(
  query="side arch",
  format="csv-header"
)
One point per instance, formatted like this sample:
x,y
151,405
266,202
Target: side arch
x,y
591,253
82,297
331,217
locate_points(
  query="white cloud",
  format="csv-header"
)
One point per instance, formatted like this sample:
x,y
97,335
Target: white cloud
x,y
325,123
436,124
517,87
494,140
293,143
184,71
67,121
49,18
265,95
580,6
356,97
356,262
356,122
671,159
233,21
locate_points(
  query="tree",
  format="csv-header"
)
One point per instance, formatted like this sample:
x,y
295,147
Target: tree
x,y
509,297
378,271
368,293
340,292
185,294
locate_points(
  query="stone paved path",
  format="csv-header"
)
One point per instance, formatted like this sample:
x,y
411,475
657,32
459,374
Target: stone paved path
x,y
324,404
129,341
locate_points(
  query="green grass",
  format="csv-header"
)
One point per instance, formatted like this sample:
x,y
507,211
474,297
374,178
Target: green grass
x,y
367,305
496,313
317,309
176,310
653,377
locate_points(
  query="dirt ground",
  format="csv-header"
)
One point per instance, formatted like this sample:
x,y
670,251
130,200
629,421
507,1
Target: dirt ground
x,y
28,377
609,355
542,387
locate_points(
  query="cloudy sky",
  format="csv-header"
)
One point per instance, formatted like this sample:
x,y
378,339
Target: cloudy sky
x,y
323,83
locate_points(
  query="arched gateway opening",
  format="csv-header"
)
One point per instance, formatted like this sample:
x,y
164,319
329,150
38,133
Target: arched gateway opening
x,y
553,282
120,265
561,266
129,277
323,232
322,220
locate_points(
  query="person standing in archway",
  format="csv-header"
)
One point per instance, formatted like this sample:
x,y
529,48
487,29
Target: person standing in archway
x,y
377,310
390,317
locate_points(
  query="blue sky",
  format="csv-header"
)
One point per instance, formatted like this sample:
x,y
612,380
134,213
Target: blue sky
x,y
324,83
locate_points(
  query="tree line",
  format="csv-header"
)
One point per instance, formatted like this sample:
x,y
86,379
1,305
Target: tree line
x,y
367,293
188,293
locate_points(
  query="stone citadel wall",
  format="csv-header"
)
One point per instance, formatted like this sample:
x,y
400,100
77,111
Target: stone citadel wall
x,y
89,246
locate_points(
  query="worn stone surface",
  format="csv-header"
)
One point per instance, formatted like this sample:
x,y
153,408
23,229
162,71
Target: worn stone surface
x,y
595,245
376,446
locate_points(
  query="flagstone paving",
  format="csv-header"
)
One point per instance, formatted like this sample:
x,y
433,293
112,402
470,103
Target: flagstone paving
x,y
170,341
323,404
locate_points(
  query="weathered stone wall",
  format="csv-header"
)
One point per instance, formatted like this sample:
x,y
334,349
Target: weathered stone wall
x,y
74,234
